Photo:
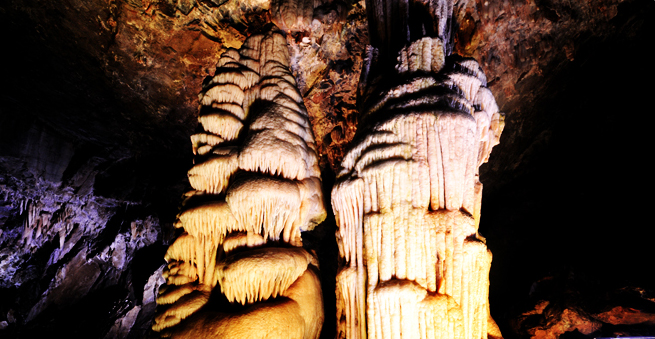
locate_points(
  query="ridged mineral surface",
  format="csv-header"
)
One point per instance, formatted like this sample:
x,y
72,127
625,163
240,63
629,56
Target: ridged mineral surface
x,y
407,196
257,186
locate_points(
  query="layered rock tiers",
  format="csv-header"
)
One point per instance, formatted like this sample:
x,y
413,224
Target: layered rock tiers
x,y
407,200
257,186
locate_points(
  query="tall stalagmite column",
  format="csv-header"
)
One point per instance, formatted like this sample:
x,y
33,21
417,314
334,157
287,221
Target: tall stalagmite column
x,y
239,270
407,199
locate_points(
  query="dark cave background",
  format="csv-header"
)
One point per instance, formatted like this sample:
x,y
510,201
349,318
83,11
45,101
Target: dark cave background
x,y
566,201
578,211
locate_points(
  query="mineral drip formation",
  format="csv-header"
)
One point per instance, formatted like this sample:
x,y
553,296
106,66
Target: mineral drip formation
x,y
238,269
407,200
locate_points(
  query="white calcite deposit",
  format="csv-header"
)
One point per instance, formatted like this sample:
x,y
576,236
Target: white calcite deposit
x,y
407,204
257,186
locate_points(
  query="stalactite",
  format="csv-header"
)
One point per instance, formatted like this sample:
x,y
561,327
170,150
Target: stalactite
x,y
257,186
407,198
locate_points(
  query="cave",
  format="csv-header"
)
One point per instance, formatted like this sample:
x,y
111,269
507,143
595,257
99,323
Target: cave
x,y
99,99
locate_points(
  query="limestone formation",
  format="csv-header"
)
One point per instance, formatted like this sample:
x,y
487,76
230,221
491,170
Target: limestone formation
x,y
238,270
292,15
407,198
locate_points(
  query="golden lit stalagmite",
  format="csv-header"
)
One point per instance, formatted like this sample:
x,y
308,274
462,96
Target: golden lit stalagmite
x,y
407,198
238,270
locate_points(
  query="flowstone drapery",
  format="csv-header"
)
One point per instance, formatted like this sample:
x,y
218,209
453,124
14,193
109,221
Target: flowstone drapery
x,y
239,270
407,199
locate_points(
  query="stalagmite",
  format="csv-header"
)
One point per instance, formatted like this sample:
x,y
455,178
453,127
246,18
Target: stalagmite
x,y
241,243
407,198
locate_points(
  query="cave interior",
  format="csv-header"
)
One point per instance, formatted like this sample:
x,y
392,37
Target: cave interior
x,y
99,98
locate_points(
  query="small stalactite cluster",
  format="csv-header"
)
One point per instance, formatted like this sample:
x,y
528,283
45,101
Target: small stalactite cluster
x,y
41,226
256,187
407,198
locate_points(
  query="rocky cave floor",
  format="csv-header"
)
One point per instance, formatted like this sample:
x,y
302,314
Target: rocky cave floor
x,y
99,97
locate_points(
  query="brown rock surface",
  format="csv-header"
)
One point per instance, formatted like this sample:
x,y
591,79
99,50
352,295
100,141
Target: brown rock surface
x,y
565,305
567,321
98,97
621,315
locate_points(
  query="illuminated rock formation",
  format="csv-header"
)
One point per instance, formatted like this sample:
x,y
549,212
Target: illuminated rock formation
x,y
407,198
257,186
292,15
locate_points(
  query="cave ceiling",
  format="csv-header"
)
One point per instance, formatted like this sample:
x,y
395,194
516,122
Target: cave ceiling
x,y
127,73
109,89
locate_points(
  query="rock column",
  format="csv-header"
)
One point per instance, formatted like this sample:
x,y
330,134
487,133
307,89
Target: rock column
x,y
407,198
238,269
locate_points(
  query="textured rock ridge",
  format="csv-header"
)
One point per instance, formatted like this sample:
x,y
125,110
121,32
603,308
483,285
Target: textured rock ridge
x,y
407,199
257,186
72,258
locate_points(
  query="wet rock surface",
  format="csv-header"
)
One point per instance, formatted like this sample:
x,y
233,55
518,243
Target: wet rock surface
x,y
98,99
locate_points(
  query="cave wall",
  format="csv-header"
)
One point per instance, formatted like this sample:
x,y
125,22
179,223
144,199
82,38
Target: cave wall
x,y
98,99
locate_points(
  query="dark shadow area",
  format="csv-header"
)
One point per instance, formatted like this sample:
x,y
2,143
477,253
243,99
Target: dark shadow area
x,y
583,204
